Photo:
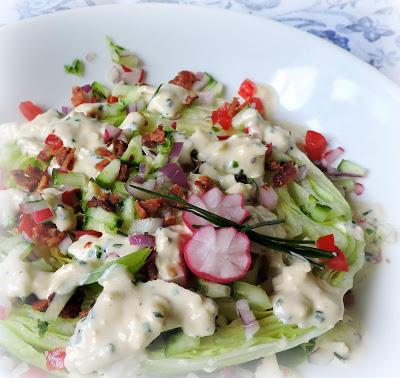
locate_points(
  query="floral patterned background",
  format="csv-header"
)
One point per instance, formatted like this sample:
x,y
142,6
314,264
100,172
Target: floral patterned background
x,y
369,29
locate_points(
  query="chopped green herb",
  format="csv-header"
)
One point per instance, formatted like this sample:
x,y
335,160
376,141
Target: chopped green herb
x,y
215,129
77,68
234,164
158,314
117,245
99,251
42,326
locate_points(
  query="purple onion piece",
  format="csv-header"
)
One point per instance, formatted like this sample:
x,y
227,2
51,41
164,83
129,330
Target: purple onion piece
x,y
302,171
143,240
87,88
176,174
138,179
142,168
176,149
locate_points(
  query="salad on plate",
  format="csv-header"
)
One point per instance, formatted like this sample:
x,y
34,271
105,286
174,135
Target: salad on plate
x,y
152,230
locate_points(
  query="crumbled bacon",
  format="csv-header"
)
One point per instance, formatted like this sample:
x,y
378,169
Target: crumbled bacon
x,y
83,314
123,173
139,211
149,268
65,157
151,206
233,107
272,165
107,201
47,235
205,183
178,191
41,305
43,183
28,178
46,154
119,147
73,306
80,97
184,79
286,173
170,220
152,139
190,98
103,152
102,164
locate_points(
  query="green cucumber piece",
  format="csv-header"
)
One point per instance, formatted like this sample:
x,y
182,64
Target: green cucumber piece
x,y
119,188
133,153
108,175
100,89
212,289
180,343
227,308
74,179
127,214
347,184
98,219
348,166
255,295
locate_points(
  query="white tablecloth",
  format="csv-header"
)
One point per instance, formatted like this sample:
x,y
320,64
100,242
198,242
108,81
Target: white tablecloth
x,y
369,29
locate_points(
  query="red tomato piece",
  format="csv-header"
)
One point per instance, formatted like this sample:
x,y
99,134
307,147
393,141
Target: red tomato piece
x,y
247,89
70,198
222,117
112,99
26,225
34,373
315,144
223,137
29,110
55,359
78,234
54,141
337,263
256,103
326,243
43,215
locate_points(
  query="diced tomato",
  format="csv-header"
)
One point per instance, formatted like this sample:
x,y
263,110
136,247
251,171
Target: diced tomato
x,y
337,263
43,215
222,117
29,110
26,225
223,137
3,313
112,99
247,89
315,145
173,125
55,359
34,373
80,233
256,103
247,130
125,68
54,141
70,198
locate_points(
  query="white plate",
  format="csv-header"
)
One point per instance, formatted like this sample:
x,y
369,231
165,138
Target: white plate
x,y
321,87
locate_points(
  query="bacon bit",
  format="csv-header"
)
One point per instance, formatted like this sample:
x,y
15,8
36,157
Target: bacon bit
x,y
103,152
119,147
170,220
268,153
140,212
65,157
150,268
29,178
43,183
272,165
178,191
233,107
83,314
190,98
102,164
349,299
112,99
184,79
79,97
46,154
41,305
73,306
123,173
47,235
101,202
151,205
286,173
152,139
205,183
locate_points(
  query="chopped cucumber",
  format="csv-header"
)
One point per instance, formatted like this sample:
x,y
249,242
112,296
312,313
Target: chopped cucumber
x,y
127,214
74,179
119,188
133,153
108,175
180,343
212,289
98,219
255,295
100,89
227,308
348,166
347,184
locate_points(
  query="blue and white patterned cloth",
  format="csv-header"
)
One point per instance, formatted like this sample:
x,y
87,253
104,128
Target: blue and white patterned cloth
x,y
369,29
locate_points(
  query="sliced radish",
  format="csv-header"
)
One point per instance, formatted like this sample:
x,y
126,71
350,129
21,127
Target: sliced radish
x,y
330,156
268,197
218,255
133,77
229,206
359,188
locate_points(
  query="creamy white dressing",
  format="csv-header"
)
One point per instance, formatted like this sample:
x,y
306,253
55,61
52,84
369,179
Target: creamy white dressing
x,y
303,299
127,317
168,260
168,101
9,208
134,121
107,247
230,156
22,278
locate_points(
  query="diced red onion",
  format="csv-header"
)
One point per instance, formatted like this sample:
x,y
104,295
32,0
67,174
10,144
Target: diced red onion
x,y
149,184
133,77
111,133
330,156
138,179
333,172
65,109
142,168
32,207
176,174
176,149
160,181
206,98
268,197
201,81
302,171
114,75
87,88
243,309
320,357
64,245
359,188
142,240
251,329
